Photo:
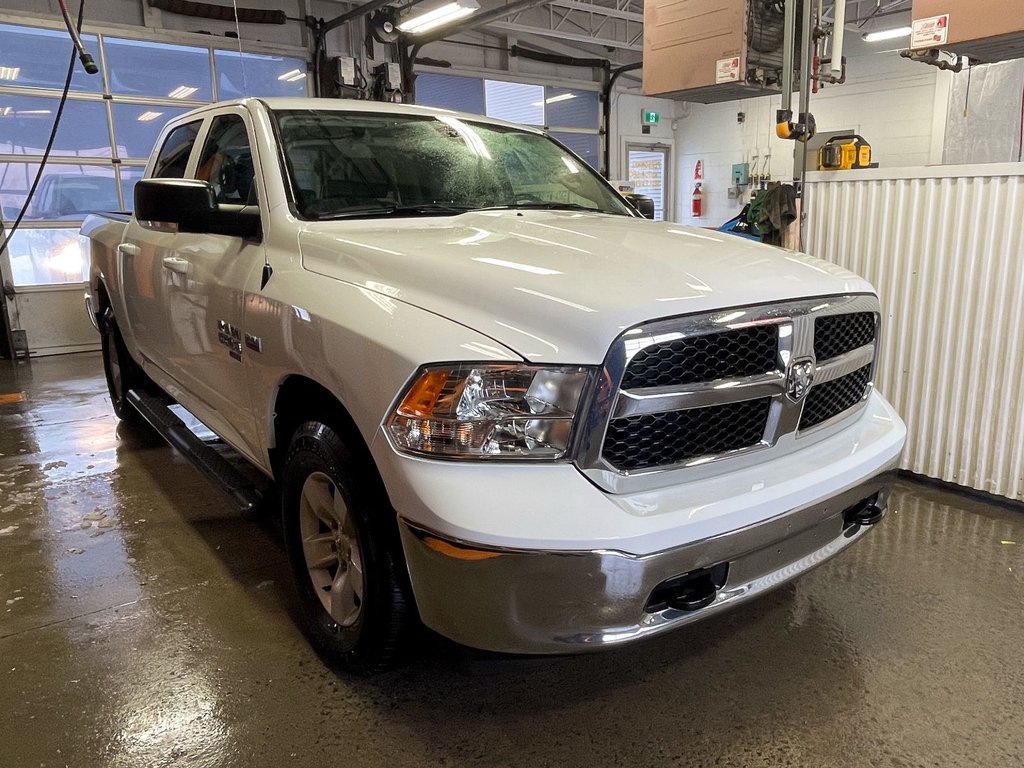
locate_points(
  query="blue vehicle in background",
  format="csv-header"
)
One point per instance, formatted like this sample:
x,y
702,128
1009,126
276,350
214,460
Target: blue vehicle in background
x,y
741,226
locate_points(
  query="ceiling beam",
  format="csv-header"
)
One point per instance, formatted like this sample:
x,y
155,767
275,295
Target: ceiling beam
x,y
562,35
598,10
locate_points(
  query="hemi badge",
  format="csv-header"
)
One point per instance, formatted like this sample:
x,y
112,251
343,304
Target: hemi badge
x,y
254,343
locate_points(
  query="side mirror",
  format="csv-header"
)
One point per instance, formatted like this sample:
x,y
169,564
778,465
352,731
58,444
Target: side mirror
x,y
643,204
192,206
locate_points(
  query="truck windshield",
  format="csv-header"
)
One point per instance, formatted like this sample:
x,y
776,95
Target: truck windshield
x,y
362,165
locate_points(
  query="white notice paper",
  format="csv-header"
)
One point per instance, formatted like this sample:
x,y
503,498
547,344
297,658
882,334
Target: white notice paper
x,y
728,70
930,33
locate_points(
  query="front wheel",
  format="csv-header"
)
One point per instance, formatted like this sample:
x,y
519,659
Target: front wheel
x,y
122,373
344,554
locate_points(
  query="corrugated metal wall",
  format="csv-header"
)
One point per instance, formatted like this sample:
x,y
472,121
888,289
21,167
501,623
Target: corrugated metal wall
x,y
946,252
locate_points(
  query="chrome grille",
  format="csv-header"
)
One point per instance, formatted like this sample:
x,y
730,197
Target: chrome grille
x,y
828,400
653,440
703,394
836,335
743,352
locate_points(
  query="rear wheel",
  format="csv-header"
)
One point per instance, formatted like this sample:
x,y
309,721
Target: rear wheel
x,y
339,533
122,372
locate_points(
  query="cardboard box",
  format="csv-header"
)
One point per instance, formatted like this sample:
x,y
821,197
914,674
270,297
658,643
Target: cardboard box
x,y
987,30
685,39
697,50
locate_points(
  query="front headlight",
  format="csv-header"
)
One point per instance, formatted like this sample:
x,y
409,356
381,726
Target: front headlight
x,y
466,410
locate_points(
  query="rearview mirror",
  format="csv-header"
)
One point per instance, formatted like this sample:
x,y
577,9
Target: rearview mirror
x,y
644,204
192,205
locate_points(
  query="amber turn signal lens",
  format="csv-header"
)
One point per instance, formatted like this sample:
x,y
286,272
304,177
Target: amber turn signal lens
x,y
422,397
457,552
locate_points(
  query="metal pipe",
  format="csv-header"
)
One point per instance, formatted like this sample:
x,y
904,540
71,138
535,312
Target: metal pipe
x,y
788,53
606,110
557,58
807,54
838,36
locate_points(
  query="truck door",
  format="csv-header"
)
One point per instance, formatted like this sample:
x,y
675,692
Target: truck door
x,y
140,262
204,284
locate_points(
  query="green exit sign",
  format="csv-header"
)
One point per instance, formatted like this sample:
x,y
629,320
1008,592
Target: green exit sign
x,y
651,118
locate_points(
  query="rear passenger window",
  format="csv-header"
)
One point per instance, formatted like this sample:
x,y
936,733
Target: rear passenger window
x,y
173,157
226,161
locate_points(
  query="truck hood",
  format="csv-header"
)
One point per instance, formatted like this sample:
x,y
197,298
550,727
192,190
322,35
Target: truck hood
x,y
559,286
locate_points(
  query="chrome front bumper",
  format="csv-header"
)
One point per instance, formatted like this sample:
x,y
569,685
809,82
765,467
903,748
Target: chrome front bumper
x,y
521,601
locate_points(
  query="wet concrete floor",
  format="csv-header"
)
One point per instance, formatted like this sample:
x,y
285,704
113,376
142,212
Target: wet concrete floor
x,y
144,623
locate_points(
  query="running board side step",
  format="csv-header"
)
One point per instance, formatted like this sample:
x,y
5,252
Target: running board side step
x,y
207,460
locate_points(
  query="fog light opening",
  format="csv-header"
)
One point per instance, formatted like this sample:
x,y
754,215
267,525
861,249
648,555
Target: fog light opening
x,y
689,592
866,512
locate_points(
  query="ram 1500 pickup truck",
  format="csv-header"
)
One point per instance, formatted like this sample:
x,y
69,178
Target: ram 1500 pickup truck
x,y
493,398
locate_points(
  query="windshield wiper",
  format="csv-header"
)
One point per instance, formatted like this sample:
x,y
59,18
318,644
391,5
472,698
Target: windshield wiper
x,y
549,206
392,209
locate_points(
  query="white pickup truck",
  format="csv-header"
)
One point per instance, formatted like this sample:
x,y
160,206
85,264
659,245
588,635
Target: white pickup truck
x,y
493,398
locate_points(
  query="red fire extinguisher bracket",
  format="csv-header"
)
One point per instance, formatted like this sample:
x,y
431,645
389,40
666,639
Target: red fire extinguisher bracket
x,y
697,205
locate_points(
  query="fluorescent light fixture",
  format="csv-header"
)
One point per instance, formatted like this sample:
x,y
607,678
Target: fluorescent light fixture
x,y
554,99
32,112
439,16
5,111
145,117
9,73
182,92
292,77
886,34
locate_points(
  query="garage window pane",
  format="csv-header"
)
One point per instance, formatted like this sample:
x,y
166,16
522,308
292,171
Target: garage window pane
x,y
47,257
586,145
130,176
569,108
463,94
25,123
515,102
261,75
38,58
65,192
137,127
139,68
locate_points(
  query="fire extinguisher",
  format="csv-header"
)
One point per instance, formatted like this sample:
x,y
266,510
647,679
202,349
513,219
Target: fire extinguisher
x,y
698,202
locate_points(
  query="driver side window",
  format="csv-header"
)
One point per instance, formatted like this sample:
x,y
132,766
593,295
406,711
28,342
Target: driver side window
x,y
227,162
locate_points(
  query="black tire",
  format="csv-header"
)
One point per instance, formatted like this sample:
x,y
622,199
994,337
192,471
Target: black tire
x,y
366,631
121,371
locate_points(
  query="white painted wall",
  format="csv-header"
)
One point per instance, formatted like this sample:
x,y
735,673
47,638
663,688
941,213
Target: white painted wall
x,y
626,126
899,106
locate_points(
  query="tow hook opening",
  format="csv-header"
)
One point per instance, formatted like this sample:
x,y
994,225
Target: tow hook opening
x,y
689,592
866,512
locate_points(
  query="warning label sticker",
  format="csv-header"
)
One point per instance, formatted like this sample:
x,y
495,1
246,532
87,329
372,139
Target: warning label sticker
x,y
930,33
728,70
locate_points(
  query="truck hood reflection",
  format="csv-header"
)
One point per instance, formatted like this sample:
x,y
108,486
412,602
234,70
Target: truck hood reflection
x,y
558,286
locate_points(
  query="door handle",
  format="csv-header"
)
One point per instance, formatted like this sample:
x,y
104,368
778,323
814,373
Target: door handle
x,y
128,249
175,264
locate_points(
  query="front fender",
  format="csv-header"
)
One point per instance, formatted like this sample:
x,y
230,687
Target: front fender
x,y
361,345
